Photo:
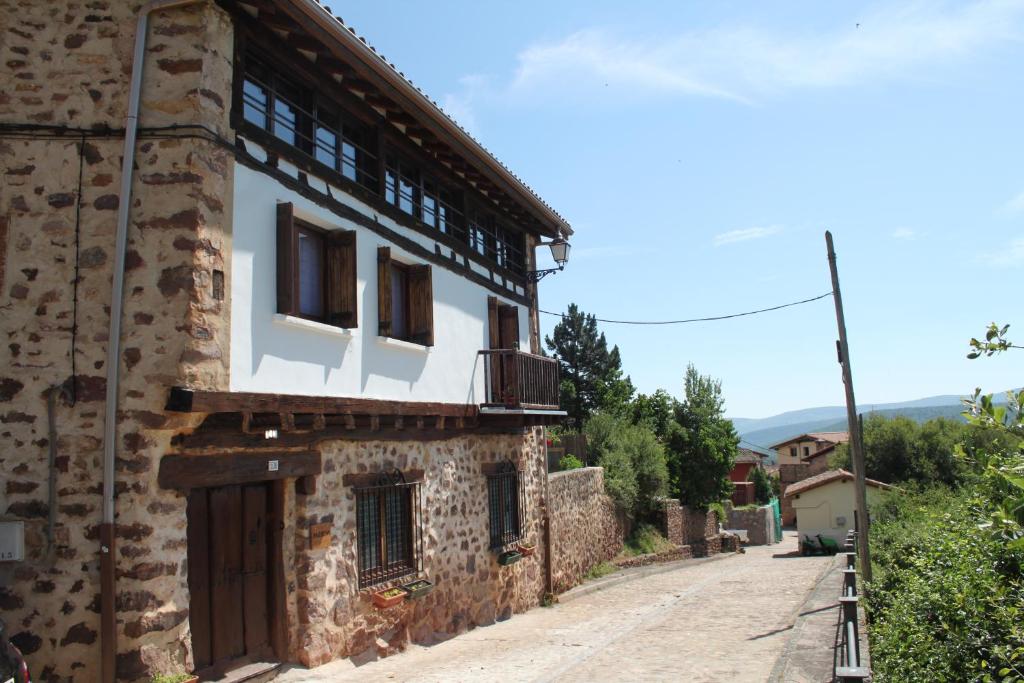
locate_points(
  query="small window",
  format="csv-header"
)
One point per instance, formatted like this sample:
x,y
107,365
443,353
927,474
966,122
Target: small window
x,y
405,300
311,272
807,451
792,451
504,496
316,271
388,534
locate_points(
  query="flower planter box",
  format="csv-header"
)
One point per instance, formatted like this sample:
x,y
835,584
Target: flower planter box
x,y
509,557
527,549
390,597
418,588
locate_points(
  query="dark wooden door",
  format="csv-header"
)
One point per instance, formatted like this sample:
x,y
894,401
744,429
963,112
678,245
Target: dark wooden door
x,y
228,578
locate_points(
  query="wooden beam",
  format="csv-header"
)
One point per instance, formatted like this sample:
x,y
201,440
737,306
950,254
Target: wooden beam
x,y
196,401
199,471
306,486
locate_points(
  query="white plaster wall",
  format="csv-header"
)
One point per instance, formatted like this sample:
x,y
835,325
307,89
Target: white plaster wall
x,y
272,357
818,509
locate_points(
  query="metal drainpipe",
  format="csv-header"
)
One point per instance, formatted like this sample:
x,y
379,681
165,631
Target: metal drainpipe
x,y
108,616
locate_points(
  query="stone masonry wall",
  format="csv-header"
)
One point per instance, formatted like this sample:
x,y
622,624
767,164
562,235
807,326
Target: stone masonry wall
x,y
672,524
758,523
68,63
586,528
790,474
336,619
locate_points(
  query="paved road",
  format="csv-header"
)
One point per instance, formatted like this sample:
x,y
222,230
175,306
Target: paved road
x,y
726,619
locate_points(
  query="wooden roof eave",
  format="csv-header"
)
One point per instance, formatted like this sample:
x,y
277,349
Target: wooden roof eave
x,y
345,45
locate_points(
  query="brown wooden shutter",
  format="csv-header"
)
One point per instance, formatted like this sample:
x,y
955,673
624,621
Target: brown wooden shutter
x,y
384,291
508,325
341,278
493,337
286,270
421,305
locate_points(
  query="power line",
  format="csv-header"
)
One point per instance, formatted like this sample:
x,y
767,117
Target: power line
x,y
756,445
700,320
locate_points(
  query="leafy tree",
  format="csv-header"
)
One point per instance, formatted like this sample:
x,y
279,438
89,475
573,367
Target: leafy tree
x,y
702,444
591,373
569,462
655,411
636,473
762,485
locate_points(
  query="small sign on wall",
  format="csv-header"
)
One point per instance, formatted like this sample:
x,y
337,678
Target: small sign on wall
x,y
320,536
12,541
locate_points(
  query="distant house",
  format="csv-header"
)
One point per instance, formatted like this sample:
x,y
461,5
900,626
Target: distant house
x,y
825,503
818,462
746,461
792,451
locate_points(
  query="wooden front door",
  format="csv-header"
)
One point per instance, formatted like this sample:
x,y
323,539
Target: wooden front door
x,y
228,559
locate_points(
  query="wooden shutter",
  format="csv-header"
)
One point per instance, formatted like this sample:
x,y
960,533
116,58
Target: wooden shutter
x,y
341,278
384,291
508,326
421,306
493,338
286,261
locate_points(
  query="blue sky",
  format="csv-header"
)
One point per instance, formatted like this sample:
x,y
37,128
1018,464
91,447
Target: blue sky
x,y
700,149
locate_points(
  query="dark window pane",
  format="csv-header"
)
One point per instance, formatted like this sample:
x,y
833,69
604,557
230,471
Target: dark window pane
x,y
390,186
286,121
254,103
326,146
369,530
311,282
399,302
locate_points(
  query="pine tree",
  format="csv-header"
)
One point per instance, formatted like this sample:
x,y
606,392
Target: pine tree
x,y
591,373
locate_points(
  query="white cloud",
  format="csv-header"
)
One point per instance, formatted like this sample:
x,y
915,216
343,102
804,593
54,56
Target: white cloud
x,y
744,63
1015,205
1010,256
745,234
903,234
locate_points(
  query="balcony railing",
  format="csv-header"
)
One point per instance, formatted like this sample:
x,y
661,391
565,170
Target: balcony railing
x,y
519,380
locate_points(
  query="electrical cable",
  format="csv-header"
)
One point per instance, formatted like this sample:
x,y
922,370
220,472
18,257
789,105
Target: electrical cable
x,y
700,320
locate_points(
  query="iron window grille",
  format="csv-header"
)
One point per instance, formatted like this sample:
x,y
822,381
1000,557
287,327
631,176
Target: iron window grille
x,y
505,502
388,523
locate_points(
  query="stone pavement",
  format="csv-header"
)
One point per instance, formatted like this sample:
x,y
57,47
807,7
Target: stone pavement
x,y
726,619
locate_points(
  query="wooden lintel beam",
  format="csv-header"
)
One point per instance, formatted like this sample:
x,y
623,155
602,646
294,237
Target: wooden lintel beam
x,y
196,471
375,423
440,423
197,401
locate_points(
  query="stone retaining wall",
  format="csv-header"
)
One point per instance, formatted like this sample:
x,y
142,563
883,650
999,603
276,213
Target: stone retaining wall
x,y
758,523
586,527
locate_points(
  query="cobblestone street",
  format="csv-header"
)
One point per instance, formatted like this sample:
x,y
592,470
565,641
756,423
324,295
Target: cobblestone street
x,y
724,619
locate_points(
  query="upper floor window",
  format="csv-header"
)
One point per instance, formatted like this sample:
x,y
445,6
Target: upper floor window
x,y
316,271
300,117
405,300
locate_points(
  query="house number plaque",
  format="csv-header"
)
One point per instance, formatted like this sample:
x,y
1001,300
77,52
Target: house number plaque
x,y
320,536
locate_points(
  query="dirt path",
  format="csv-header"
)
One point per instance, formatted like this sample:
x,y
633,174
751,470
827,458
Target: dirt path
x,y
722,620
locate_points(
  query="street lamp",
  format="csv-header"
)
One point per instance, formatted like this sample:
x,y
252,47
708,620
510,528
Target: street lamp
x,y
560,255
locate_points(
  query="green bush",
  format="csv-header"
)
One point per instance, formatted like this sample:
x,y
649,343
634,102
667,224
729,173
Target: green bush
x,y
599,570
647,539
947,600
569,462
636,473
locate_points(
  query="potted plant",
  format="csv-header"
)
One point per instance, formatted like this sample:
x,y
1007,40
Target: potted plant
x,y
509,557
174,678
418,588
389,597
527,549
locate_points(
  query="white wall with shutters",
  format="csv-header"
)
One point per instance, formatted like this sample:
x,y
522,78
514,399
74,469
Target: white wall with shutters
x,y
287,356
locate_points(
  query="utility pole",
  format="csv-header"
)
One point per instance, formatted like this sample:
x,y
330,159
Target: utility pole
x,y
856,444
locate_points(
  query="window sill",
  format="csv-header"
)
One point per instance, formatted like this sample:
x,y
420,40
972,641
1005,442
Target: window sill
x,y
402,344
312,325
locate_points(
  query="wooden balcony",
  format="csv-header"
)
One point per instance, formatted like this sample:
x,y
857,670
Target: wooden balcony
x,y
516,380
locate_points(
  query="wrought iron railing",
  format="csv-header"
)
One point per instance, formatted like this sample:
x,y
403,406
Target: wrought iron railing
x,y
516,379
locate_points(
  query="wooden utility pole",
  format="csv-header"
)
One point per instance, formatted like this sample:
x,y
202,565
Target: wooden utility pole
x,y
856,444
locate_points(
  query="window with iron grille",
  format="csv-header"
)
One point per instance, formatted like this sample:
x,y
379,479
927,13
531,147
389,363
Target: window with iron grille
x,y
505,498
387,522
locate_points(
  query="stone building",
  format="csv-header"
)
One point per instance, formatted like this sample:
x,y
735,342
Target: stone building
x,y
262,361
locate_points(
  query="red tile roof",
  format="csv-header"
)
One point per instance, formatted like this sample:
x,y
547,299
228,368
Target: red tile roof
x,y
827,478
832,437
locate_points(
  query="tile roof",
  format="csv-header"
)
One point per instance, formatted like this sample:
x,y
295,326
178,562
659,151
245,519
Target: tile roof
x,y
432,104
825,450
834,437
746,455
827,478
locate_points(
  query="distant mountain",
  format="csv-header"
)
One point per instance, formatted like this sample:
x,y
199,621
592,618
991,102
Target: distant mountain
x,y
762,433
